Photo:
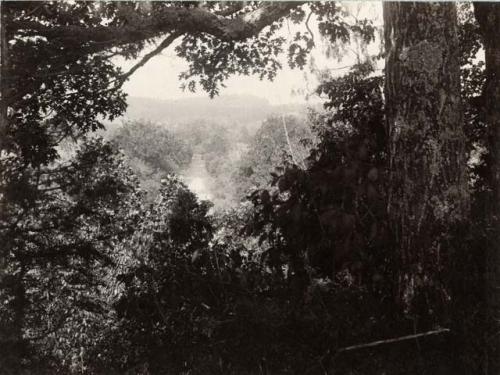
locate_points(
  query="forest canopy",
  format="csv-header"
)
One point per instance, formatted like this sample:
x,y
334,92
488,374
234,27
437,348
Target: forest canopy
x,y
359,239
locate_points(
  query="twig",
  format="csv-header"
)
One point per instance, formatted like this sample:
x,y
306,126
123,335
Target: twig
x,y
308,29
396,339
333,354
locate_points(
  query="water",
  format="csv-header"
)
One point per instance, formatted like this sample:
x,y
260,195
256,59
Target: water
x,y
197,178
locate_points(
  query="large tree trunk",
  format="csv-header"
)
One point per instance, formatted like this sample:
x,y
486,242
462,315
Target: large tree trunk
x,y
488,17
3,72
428,191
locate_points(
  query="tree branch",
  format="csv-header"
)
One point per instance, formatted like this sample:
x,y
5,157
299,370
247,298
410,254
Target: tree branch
x,y
167,42
308,28
181,19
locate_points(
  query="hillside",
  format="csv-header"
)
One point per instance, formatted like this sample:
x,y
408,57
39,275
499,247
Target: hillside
x,y
232,109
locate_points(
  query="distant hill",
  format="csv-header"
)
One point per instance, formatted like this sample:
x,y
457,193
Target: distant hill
x,y
241,109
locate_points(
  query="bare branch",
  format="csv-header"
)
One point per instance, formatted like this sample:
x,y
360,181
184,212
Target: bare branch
x,y
396,339
308,28
167,42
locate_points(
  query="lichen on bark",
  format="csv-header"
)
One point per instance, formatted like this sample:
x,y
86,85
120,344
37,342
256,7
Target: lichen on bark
x,y
428,191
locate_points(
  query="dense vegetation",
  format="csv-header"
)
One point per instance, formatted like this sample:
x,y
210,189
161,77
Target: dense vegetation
x,y
152,152
110,264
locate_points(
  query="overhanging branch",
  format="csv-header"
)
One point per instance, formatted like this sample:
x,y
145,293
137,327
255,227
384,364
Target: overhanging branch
x,y
181,19
164,44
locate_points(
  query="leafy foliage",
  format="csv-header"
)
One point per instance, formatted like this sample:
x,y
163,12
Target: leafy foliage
x,y
60,249
278,139
96,279
318,218
152,152
213,60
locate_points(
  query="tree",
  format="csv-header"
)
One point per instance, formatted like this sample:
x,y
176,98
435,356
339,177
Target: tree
x,y
168,272
428,185
488,17
326,217
152,152
59,250
278,138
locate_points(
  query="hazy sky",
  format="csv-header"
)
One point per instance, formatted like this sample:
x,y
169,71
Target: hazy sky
x,y
159,77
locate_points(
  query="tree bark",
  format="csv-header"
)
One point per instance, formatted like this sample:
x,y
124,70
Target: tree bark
x,y
488,17
167,20
3,72
428,191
